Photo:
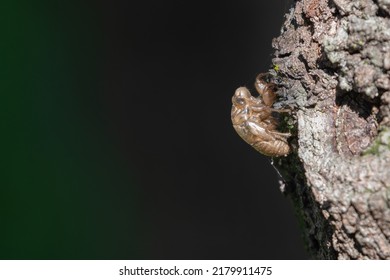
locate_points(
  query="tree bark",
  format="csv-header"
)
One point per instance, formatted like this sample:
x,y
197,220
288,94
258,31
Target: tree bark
x,y
331,65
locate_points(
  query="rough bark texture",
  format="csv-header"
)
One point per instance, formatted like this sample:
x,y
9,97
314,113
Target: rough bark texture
x,y
332,65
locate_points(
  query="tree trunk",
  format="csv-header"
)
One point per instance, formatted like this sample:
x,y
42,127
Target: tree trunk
x,y
331,66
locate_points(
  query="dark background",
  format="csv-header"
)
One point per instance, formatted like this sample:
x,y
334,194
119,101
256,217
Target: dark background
x,y
117,135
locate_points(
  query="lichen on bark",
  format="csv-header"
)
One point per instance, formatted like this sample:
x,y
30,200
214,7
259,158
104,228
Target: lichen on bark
x,y
332,68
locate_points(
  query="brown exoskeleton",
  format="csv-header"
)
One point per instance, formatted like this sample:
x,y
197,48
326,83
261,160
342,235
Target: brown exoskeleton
x,y
252,119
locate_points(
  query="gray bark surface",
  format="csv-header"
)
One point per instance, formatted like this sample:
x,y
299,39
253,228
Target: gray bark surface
x,y
331,65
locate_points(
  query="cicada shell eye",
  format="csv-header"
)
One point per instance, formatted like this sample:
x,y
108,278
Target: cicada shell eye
x,y
241,96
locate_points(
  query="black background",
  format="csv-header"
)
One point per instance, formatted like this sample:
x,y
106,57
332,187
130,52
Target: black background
x,y
171,68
